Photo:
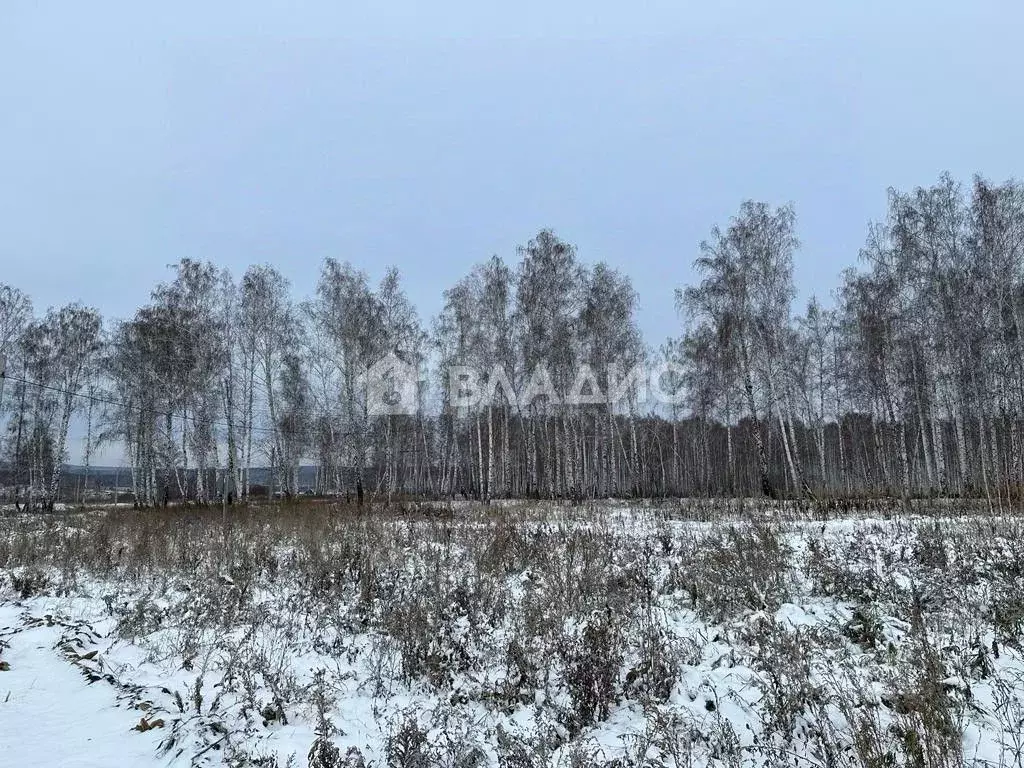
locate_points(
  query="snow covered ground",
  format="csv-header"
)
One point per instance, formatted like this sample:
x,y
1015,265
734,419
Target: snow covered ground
x,y
50,713
600,635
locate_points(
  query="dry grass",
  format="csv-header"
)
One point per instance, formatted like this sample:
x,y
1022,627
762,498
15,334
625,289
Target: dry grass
x,y
569,613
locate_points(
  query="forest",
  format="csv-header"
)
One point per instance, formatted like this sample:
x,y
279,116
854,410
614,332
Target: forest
x,y
908,381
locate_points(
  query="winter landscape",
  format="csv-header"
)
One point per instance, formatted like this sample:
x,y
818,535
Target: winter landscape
x,y
781,539
526,634
534,385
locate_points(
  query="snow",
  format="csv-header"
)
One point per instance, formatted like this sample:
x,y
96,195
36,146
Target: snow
x,y
50,715
153,654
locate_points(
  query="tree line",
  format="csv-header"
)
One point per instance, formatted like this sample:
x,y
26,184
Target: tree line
x,y
910,383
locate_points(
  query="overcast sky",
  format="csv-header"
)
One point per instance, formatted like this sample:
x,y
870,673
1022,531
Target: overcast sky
x,y
432,135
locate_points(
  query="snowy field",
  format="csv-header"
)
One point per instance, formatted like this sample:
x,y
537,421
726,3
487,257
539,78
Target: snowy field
x,y
520,636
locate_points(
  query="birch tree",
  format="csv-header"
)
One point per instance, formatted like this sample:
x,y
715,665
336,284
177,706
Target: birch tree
x,y
744,298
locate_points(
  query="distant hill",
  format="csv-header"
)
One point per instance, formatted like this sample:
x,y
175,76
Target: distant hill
x,y
110,477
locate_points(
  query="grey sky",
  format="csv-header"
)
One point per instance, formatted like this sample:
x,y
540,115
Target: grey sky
x,y
432,135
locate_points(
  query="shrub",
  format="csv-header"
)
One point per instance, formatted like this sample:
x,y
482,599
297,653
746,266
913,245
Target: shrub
x,y
591,664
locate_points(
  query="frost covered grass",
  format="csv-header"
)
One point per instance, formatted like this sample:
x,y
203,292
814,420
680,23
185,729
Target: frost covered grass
x,y
522,635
